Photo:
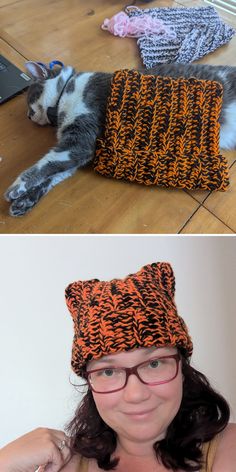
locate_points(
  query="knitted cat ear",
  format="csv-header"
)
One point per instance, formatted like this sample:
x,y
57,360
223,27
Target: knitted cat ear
x,y
36,70
168,278
164,275
78,293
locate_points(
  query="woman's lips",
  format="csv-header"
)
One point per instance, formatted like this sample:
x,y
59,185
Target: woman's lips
x,y
139,414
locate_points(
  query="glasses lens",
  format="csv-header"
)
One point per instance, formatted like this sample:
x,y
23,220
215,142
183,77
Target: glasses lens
x,y
105,380
158,370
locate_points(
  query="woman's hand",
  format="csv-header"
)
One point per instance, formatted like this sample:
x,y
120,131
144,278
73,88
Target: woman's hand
x,y
41,447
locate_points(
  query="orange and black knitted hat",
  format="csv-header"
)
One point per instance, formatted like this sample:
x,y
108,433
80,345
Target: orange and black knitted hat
x,y
124,314
163,131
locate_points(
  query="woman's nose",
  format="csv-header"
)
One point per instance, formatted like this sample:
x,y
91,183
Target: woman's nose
x,y
136,391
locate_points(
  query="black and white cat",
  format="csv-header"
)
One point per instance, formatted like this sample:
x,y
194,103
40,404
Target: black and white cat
x,y
76,104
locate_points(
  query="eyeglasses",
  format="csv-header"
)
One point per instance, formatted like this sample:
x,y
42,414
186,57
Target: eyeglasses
x,y
155,371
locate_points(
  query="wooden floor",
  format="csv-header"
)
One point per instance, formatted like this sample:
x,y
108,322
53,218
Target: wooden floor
x,y
69,30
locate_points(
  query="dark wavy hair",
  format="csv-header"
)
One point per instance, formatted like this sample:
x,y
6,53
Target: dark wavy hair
x,y
203,413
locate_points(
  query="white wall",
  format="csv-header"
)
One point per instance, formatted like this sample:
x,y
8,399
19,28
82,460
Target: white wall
x,y
36,329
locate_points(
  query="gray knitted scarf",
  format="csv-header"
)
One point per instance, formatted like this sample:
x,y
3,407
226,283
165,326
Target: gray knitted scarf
x,y
199,31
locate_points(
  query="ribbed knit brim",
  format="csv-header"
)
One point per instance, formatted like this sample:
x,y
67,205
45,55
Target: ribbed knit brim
x,y
124,314
163,131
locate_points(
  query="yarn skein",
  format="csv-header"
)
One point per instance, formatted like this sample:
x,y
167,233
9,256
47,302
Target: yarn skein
x,y
121,25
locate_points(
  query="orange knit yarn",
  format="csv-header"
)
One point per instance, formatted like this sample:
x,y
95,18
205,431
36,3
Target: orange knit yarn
x,y
124,314
163,131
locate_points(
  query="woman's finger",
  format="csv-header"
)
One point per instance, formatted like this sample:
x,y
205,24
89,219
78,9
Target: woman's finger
x,y
60,454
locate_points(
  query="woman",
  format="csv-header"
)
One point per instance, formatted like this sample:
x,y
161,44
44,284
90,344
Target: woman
x,y
146,408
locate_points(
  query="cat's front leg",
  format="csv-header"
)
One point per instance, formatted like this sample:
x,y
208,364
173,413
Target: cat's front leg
x,y
75,149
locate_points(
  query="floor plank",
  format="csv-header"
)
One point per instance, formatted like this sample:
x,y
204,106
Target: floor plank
x,y
5,3
204,222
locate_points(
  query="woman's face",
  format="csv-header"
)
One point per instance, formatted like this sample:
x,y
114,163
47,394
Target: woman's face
x,y
139,412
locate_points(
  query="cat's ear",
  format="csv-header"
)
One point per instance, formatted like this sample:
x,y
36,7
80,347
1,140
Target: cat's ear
x,y
36,70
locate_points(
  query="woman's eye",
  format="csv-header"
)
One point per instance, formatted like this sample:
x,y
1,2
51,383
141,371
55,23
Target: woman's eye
x,y
154,364
108,372
104,373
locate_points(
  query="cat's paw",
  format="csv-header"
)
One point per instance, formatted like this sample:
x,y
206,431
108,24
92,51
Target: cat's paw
x,y
21,205
16,190
25,182
28,200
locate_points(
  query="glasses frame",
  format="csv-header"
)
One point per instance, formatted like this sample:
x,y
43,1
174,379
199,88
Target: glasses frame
x,y
134,370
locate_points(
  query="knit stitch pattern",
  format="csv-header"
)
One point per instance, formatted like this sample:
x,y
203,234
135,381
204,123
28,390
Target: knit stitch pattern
x,y
124,314
163,131
199,31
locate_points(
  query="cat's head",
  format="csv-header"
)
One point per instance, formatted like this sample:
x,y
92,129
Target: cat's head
x,y
44,92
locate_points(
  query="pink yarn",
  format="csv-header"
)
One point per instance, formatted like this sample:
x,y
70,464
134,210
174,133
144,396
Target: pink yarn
x,y
122,25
